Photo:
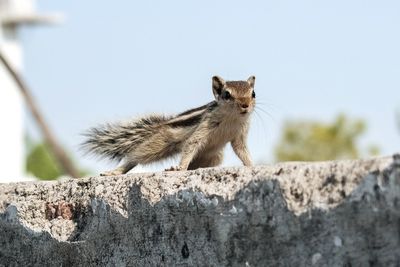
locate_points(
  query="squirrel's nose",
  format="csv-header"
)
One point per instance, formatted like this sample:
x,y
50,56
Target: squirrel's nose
x,y
244,105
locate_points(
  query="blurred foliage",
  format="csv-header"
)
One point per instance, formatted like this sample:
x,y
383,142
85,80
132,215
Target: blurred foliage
x,y
41,163
312,141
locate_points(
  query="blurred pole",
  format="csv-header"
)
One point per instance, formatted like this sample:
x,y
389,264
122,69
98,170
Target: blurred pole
x,y
62,158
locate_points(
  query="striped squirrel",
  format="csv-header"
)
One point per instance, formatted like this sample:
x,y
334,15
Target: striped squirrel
x,y
198,134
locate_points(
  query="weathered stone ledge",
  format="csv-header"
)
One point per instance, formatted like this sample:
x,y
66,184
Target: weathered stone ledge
x,y
339,213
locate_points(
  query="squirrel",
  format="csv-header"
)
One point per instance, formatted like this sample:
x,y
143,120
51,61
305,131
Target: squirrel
x,y
199,134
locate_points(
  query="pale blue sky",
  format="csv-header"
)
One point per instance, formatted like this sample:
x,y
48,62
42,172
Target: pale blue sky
x,y
312,60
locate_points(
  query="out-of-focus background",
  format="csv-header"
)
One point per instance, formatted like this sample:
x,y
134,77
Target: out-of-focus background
x,y
328,75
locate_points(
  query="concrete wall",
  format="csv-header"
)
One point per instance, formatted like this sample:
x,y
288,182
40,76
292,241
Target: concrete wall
x,y
341,213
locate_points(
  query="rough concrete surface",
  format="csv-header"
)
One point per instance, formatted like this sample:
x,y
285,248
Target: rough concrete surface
x,y
339,213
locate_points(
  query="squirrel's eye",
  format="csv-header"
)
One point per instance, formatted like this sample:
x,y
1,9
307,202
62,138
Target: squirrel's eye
x,y
253,94
226,95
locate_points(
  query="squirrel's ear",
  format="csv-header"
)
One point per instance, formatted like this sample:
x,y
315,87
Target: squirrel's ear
x,y
217,85
251,80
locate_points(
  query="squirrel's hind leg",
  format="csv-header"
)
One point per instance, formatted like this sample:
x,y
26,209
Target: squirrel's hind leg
x,y
124,168
208,160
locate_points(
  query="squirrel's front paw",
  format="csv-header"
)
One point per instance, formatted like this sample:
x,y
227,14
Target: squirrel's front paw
x,y
174,168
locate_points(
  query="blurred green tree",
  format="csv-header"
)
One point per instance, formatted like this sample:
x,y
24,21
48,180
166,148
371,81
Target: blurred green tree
x,y
41,163
312,141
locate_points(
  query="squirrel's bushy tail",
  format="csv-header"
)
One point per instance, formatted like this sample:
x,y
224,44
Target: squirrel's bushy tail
x,y
117,140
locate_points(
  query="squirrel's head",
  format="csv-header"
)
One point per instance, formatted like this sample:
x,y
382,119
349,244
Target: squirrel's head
x,y
237,95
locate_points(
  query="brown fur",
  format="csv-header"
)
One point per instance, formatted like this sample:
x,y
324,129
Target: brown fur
x,y
199,134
